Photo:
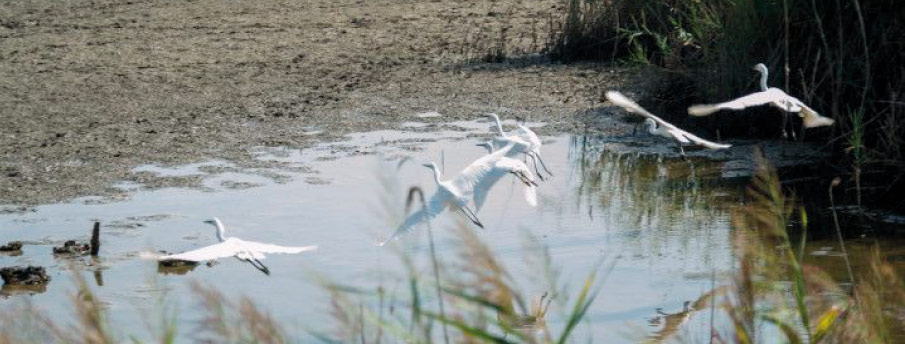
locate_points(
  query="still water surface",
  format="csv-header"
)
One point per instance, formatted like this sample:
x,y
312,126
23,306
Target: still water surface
x,y
665,223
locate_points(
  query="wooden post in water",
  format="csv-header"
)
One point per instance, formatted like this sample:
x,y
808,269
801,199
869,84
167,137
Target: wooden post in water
x,y
96,239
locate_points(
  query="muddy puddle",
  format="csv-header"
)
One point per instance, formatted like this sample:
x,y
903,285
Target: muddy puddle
x,y
665,222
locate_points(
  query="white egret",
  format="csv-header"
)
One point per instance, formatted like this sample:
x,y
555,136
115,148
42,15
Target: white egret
x,y
486,171
533,140
248,251
448,194
475,181
657,126
528,144
768,95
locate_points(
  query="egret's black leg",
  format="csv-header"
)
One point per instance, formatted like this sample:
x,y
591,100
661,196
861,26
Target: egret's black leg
x,y
470,215
534,160
542,164
521,176
258,265
528,180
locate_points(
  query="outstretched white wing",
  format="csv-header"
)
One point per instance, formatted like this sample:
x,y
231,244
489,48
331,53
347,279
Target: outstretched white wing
x,y
466,182
481,190
811,118
219,250
622,101
271,248
437,203
773,96
681,135
530,137
697,140
501,167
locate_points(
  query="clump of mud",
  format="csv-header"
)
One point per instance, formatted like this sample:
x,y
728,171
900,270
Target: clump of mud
x,y
29,275
72,248
13,248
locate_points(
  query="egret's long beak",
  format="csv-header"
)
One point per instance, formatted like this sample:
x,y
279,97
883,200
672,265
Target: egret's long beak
x,y
210,222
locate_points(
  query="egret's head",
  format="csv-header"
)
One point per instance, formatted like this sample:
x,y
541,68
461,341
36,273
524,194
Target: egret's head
x,y
761,68
491,116
212,221
429,165
650,124
487,145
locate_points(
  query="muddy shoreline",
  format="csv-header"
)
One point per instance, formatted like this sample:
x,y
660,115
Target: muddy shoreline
x,y
91,90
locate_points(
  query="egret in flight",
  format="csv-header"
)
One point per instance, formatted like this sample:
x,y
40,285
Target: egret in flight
x,y
448,194
248,251
768,95
493,167
657,126
473,181
534,142
525,142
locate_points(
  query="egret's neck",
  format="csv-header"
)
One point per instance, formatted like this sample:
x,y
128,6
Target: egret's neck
x,y
221,232
763,79
499,126
436,173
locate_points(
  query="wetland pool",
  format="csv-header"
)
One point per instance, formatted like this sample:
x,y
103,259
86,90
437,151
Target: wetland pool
x,y
665,224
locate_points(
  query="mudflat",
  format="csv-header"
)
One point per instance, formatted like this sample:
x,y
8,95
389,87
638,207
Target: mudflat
x,y
89,89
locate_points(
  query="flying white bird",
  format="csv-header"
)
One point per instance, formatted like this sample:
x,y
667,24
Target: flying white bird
x,y
768,95
657,126
448,194
533,140
248,251
524,141
474,181
489,169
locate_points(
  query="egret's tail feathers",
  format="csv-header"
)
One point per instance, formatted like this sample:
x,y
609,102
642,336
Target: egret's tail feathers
x,y
531,195
811,119
702,110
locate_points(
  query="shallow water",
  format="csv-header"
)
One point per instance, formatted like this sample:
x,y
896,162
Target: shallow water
x,y
665,223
